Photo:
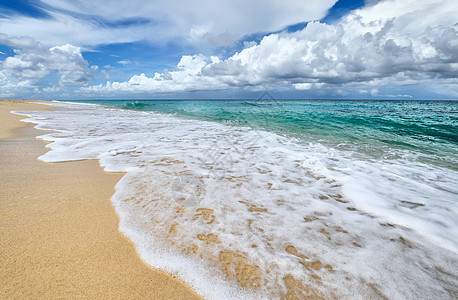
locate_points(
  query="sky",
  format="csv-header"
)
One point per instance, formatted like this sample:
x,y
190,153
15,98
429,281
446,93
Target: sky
x,y
226,49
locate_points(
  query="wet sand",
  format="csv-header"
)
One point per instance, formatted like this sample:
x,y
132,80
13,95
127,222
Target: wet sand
x,y
59,233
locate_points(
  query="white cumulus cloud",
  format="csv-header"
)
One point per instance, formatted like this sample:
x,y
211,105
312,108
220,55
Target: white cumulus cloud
x,y
391,42
33,62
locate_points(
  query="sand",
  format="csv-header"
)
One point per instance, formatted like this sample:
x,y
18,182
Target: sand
x,y
59,233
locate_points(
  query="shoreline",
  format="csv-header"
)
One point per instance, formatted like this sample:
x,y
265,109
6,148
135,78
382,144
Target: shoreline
x,y
59,235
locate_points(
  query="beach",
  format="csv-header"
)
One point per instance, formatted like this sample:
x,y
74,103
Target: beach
x,y
238,200
213,150
59,234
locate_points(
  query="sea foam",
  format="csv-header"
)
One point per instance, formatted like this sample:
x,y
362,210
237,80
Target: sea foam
x,y
243,213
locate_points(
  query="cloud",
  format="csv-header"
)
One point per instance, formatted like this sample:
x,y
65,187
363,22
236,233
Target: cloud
x,y
33,62
307,86
200,22
303,86
188,74
388,43
124,62
399,96
59,29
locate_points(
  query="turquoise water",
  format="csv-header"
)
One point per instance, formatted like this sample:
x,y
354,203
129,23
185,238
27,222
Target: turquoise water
x,y
427,130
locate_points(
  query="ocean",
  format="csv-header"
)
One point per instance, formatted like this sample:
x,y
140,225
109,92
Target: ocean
x,y
279,198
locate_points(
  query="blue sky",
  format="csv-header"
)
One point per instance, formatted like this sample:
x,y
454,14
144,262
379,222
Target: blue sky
x,y
81,49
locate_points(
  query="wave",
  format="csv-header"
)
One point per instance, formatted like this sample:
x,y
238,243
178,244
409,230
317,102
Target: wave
x,y
243,213
136,105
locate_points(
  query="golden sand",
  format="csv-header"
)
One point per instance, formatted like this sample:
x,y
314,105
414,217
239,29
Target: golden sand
x,y
59,233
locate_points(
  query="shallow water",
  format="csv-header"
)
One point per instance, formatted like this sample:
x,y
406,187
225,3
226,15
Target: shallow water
x,y
337,199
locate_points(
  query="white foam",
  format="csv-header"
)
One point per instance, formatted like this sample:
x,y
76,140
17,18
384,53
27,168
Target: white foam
x,y
386,227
